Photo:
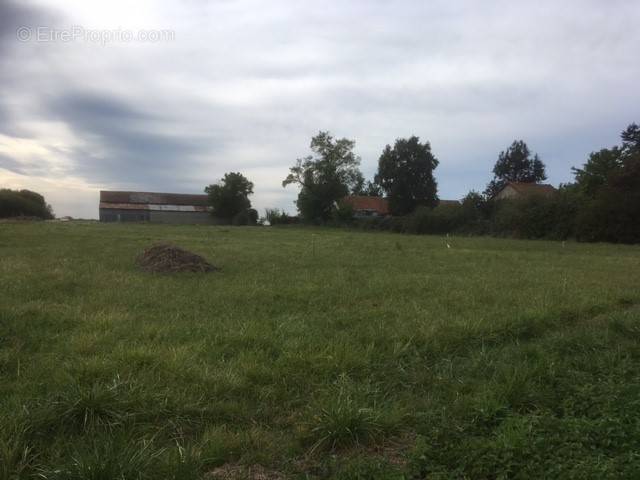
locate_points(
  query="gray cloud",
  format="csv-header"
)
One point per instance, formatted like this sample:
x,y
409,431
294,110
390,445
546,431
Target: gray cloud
x,y
130,140
14,14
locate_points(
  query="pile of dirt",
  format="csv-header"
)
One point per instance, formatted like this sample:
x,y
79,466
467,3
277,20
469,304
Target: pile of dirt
x,y
165,258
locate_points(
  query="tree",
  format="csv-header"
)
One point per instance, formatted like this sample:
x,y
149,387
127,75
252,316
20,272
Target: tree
x,y
325,177
230,196
15,203
516,165
629,176
618,166
372,189
405,173
610,185
596,172
476,206
631,141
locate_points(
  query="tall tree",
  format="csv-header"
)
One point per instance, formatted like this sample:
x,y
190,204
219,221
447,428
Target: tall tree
x,y
372,189
326,176
618,165
516,165
405,173
631,140
630,175
596,172
230,196
610,181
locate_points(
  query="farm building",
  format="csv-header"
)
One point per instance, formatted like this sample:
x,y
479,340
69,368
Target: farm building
x,y
364,206
513,190
154,207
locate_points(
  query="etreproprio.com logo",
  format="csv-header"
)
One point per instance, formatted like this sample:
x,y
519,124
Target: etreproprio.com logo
x,y
78,33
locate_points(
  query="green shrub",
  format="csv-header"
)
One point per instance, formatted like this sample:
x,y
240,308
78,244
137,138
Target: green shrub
x,y
342,214
344,419
246,217
535,217
279,217
252,216
444,218
612,216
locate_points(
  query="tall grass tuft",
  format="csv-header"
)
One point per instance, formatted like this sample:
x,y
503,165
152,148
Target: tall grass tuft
x,y
82,408
107,458
16,456
344,421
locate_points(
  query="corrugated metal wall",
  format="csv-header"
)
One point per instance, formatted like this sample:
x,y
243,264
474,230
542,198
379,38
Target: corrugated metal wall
x,y
116,215
154,216
203,218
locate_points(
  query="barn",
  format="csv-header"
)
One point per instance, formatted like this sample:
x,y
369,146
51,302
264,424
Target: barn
x,y
154,207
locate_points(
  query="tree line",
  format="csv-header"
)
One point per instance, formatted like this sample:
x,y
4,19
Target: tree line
x,y
601,204
23,203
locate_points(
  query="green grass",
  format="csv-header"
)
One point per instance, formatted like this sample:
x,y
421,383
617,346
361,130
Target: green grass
x,y
316,353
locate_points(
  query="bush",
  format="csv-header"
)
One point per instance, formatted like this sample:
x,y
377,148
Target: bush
x,y
612,216
536,216
342,214
23,203
279,217
444,218
246,217
252,216
240,218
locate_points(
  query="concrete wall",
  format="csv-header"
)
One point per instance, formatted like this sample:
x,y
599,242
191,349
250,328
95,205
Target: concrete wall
x,y
118,215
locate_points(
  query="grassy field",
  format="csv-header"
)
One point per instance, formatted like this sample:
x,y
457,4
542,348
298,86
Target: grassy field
x,y
316,353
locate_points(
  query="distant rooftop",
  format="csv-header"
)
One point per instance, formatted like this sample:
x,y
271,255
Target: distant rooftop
x,y
361,202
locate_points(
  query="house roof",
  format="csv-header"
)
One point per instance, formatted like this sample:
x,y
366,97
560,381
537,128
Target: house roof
x,y
361,202
531,188
154,198
454,203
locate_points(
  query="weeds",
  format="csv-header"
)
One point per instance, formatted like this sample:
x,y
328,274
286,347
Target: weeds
x,y
344,420
108,458
17,458
81,408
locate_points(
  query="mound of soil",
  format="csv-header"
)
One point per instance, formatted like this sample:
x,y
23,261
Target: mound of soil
x,y
164,258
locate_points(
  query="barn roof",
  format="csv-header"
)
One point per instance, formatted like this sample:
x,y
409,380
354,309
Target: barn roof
x,y
361,202
532,188
154,198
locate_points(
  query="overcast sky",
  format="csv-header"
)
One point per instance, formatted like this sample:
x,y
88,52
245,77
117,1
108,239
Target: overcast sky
x,y
243,85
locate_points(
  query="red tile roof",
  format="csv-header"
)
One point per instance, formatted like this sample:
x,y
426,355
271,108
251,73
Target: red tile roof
x,y
361,202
